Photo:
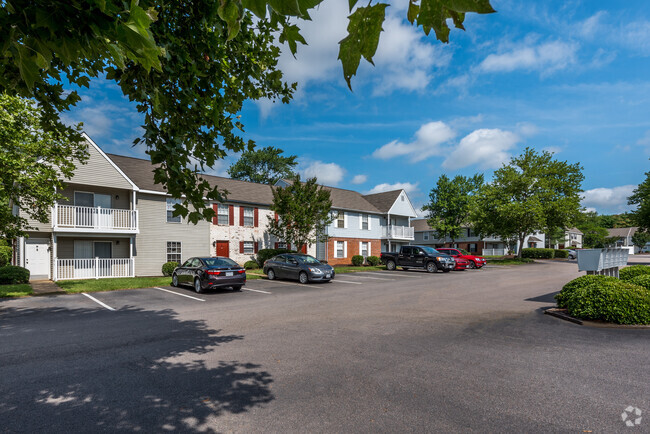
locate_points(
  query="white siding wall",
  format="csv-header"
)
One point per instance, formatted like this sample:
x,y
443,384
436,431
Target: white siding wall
x,y
353,231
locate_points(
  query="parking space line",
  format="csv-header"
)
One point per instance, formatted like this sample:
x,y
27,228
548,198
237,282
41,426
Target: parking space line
x,y
257,290
346,281
176,293
401,274
368,277
282,282
98,302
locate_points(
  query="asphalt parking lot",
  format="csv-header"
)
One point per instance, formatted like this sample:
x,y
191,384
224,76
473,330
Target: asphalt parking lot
x,y
377,351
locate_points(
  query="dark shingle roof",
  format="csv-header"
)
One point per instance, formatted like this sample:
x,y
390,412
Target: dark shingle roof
x,y
350,199
383,201
420,225
622,232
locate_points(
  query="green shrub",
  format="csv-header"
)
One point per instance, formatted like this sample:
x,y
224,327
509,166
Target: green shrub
x,y
11,275
629,273
559,253
4,242
643,281
612,301
265,254
168,268
579,283
373,260
357,260
5,255
535,253
251,265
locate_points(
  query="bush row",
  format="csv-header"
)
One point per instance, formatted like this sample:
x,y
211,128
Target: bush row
x,y
11,275
629,273
168,268
537,253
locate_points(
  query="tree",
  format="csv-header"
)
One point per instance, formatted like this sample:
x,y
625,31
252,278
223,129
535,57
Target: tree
x,y
594,234
555,236
187,65
534,192
450,202
641,198
303,210
35,162
264,166
640,239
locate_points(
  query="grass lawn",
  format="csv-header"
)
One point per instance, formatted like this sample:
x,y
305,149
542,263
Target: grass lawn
x,y
18,290
509,261
94,285
353,269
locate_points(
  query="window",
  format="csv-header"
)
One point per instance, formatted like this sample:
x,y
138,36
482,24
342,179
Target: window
x,y
340,249
223,217
426,236
340,220
249,247
170,211
364,222
364,249
174,251
249,219
473,248
282,245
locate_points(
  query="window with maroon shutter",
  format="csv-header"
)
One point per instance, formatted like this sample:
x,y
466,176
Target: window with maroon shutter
x,y
241,247
231,215
215,208
241,216
248,247
257,246
276,245
256,217
276,217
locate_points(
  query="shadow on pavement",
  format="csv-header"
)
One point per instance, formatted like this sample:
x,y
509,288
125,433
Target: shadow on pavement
x,y
546,298
84,370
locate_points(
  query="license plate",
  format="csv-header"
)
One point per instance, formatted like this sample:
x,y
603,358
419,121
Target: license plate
x,y
327,276
229,273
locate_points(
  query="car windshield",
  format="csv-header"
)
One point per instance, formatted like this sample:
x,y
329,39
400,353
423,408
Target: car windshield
x,y
430,250
464,252
220,262
306,259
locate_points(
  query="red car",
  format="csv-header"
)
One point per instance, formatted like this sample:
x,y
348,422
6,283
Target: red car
x,y
474,261
461,263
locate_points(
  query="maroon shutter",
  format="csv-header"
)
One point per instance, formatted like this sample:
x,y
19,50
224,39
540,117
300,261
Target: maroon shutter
x,y
257,246
276,217
255,218
241,216
231,215
241,247
215,208
277,244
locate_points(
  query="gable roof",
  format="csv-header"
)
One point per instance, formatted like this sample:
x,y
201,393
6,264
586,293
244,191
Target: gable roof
x,y
383,201
622,232
420,225
575,231
350,200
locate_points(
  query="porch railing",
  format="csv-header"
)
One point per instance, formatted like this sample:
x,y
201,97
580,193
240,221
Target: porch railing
x,y
494,252
398,232
93,268
87,217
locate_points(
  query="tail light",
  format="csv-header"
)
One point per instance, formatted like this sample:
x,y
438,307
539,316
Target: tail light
x,y
215,273
241,271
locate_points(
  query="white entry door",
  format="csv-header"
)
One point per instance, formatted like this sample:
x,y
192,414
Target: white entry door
x,y
37,258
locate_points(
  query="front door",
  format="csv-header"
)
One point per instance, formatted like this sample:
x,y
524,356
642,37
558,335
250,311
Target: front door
x,y
223,249
37,258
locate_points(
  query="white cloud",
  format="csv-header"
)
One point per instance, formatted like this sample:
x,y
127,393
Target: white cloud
x,y
607,200
359,179
326,173
406,186
633,36
526,129
645,140
546,57
485,147
552,149
426,144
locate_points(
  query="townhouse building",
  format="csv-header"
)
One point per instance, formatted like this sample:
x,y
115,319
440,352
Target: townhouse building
x,y
116,222
470,241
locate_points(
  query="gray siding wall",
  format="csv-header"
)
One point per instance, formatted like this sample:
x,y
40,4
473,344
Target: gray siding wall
x,y
65,246
99,171
353,231
120,198
150,250
38,226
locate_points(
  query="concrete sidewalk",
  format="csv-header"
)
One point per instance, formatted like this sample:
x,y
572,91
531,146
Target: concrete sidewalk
x,y
43,287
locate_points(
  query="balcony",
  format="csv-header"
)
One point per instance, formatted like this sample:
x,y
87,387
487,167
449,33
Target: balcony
x,y
69,218
93,268
398,232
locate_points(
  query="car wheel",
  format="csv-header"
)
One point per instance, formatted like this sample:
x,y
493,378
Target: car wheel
x,y
432,268
197,286
270,274
237,288
303,278
174,280
390,265
472,265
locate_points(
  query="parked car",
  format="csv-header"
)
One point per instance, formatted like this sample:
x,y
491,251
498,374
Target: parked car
x,y
204,273
461,264
298,266
418,257
572,254
475,260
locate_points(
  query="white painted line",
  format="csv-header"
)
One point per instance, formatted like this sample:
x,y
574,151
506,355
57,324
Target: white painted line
x,y
368,277
402,274
98,302
176,293
283,282
346,281
256,290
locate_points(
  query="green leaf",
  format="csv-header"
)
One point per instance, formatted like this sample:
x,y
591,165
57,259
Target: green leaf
x,y
258,7
231,12
364,28
413,11
478,6
352,4
286,7
28,69
291,35
433,15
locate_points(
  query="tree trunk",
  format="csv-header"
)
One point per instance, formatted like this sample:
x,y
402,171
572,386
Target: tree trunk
x,y
522,237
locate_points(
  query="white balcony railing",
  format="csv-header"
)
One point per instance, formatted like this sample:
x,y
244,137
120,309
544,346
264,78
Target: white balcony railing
x,y
495,252
94,218
93,268
398,232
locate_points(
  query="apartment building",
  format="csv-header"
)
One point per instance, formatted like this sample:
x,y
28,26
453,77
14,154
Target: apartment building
x,y
116,222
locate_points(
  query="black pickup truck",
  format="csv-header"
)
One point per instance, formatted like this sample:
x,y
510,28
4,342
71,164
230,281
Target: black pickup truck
x,y
418,257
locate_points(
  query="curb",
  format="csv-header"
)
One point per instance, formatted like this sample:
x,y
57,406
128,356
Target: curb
x,y
562,314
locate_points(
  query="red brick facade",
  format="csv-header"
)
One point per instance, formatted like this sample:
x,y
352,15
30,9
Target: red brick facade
x,y
353,249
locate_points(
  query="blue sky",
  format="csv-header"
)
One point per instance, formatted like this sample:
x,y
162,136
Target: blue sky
x,y
566,76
